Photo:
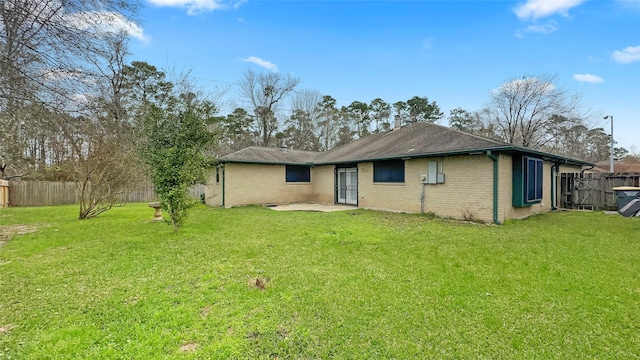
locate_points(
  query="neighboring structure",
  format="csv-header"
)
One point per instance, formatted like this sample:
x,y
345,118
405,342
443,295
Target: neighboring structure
x,y
419,168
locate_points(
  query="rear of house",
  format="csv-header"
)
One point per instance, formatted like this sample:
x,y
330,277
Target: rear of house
x,y
420,168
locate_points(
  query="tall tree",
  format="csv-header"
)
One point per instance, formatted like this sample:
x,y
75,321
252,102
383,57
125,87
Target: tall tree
x,y
328,123
523,109
464,120
264,91
300,131
401,111
422,110
236,133
143,84
346,127
380,111
107,163
48,53
358,113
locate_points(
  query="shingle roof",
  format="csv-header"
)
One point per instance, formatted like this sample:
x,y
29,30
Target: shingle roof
x,y
263,155
418,139
415,140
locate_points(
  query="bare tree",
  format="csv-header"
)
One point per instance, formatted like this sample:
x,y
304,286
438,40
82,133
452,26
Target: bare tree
x,y
102,169
524,109
107,162
301,125
47,54
264,91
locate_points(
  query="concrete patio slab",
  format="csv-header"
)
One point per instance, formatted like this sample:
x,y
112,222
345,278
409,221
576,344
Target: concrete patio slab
x,y
312,207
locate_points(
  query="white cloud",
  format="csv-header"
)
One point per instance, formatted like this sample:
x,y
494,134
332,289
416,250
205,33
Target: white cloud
x,y
61,74
102,21
264,63
80,98
592,79
627,55
199,6
547,28
536,9
629,4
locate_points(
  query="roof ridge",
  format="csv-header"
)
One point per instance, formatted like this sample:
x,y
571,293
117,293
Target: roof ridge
x,y
497,142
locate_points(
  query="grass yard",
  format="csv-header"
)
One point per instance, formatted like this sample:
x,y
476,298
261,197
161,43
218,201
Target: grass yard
x,y
255,283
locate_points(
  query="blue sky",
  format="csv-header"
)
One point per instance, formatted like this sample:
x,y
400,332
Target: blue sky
x,y
453,52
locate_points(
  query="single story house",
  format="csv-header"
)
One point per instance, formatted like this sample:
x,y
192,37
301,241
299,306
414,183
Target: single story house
x,y
418,168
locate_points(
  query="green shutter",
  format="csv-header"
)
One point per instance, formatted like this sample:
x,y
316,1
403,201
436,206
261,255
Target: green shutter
x,y
518,182
527,181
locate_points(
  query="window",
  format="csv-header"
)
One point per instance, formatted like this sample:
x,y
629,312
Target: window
x,y
298,173
527,180
534,179
388,171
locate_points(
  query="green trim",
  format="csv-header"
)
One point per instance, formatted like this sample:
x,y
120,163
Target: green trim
x,y
553,187
223,178
494,158
479,151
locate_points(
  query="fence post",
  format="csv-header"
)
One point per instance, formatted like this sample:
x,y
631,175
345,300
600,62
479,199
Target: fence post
x,y
4,193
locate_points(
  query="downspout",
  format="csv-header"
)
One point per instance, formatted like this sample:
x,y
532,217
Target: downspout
x,y
494,158
554,169
223,185
422,199
554,183
589,168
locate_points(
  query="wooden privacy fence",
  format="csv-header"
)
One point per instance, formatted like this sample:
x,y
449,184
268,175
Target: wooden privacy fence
x,y
4,193
49,193
593,191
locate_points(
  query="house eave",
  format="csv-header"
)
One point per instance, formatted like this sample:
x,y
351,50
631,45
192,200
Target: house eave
x,y
473,151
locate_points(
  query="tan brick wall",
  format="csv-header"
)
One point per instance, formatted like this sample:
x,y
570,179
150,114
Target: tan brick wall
x,y
505,173
467,190
213,190
323,185
506,208
262,184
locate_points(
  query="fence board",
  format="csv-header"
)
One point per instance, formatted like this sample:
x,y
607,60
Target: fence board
x,y
49,193
4,193
593,191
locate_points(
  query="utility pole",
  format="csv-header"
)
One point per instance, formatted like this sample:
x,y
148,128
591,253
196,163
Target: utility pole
x,y
611,159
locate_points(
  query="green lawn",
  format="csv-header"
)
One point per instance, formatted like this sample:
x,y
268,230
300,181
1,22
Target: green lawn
x,y
346,285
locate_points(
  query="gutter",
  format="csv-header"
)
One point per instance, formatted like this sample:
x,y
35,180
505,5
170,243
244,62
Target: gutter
x,y
320,162
494,158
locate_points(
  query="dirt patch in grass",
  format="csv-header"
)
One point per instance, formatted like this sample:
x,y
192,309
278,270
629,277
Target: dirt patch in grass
x,y
205,311
258,283
8,231
189,347
6,328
